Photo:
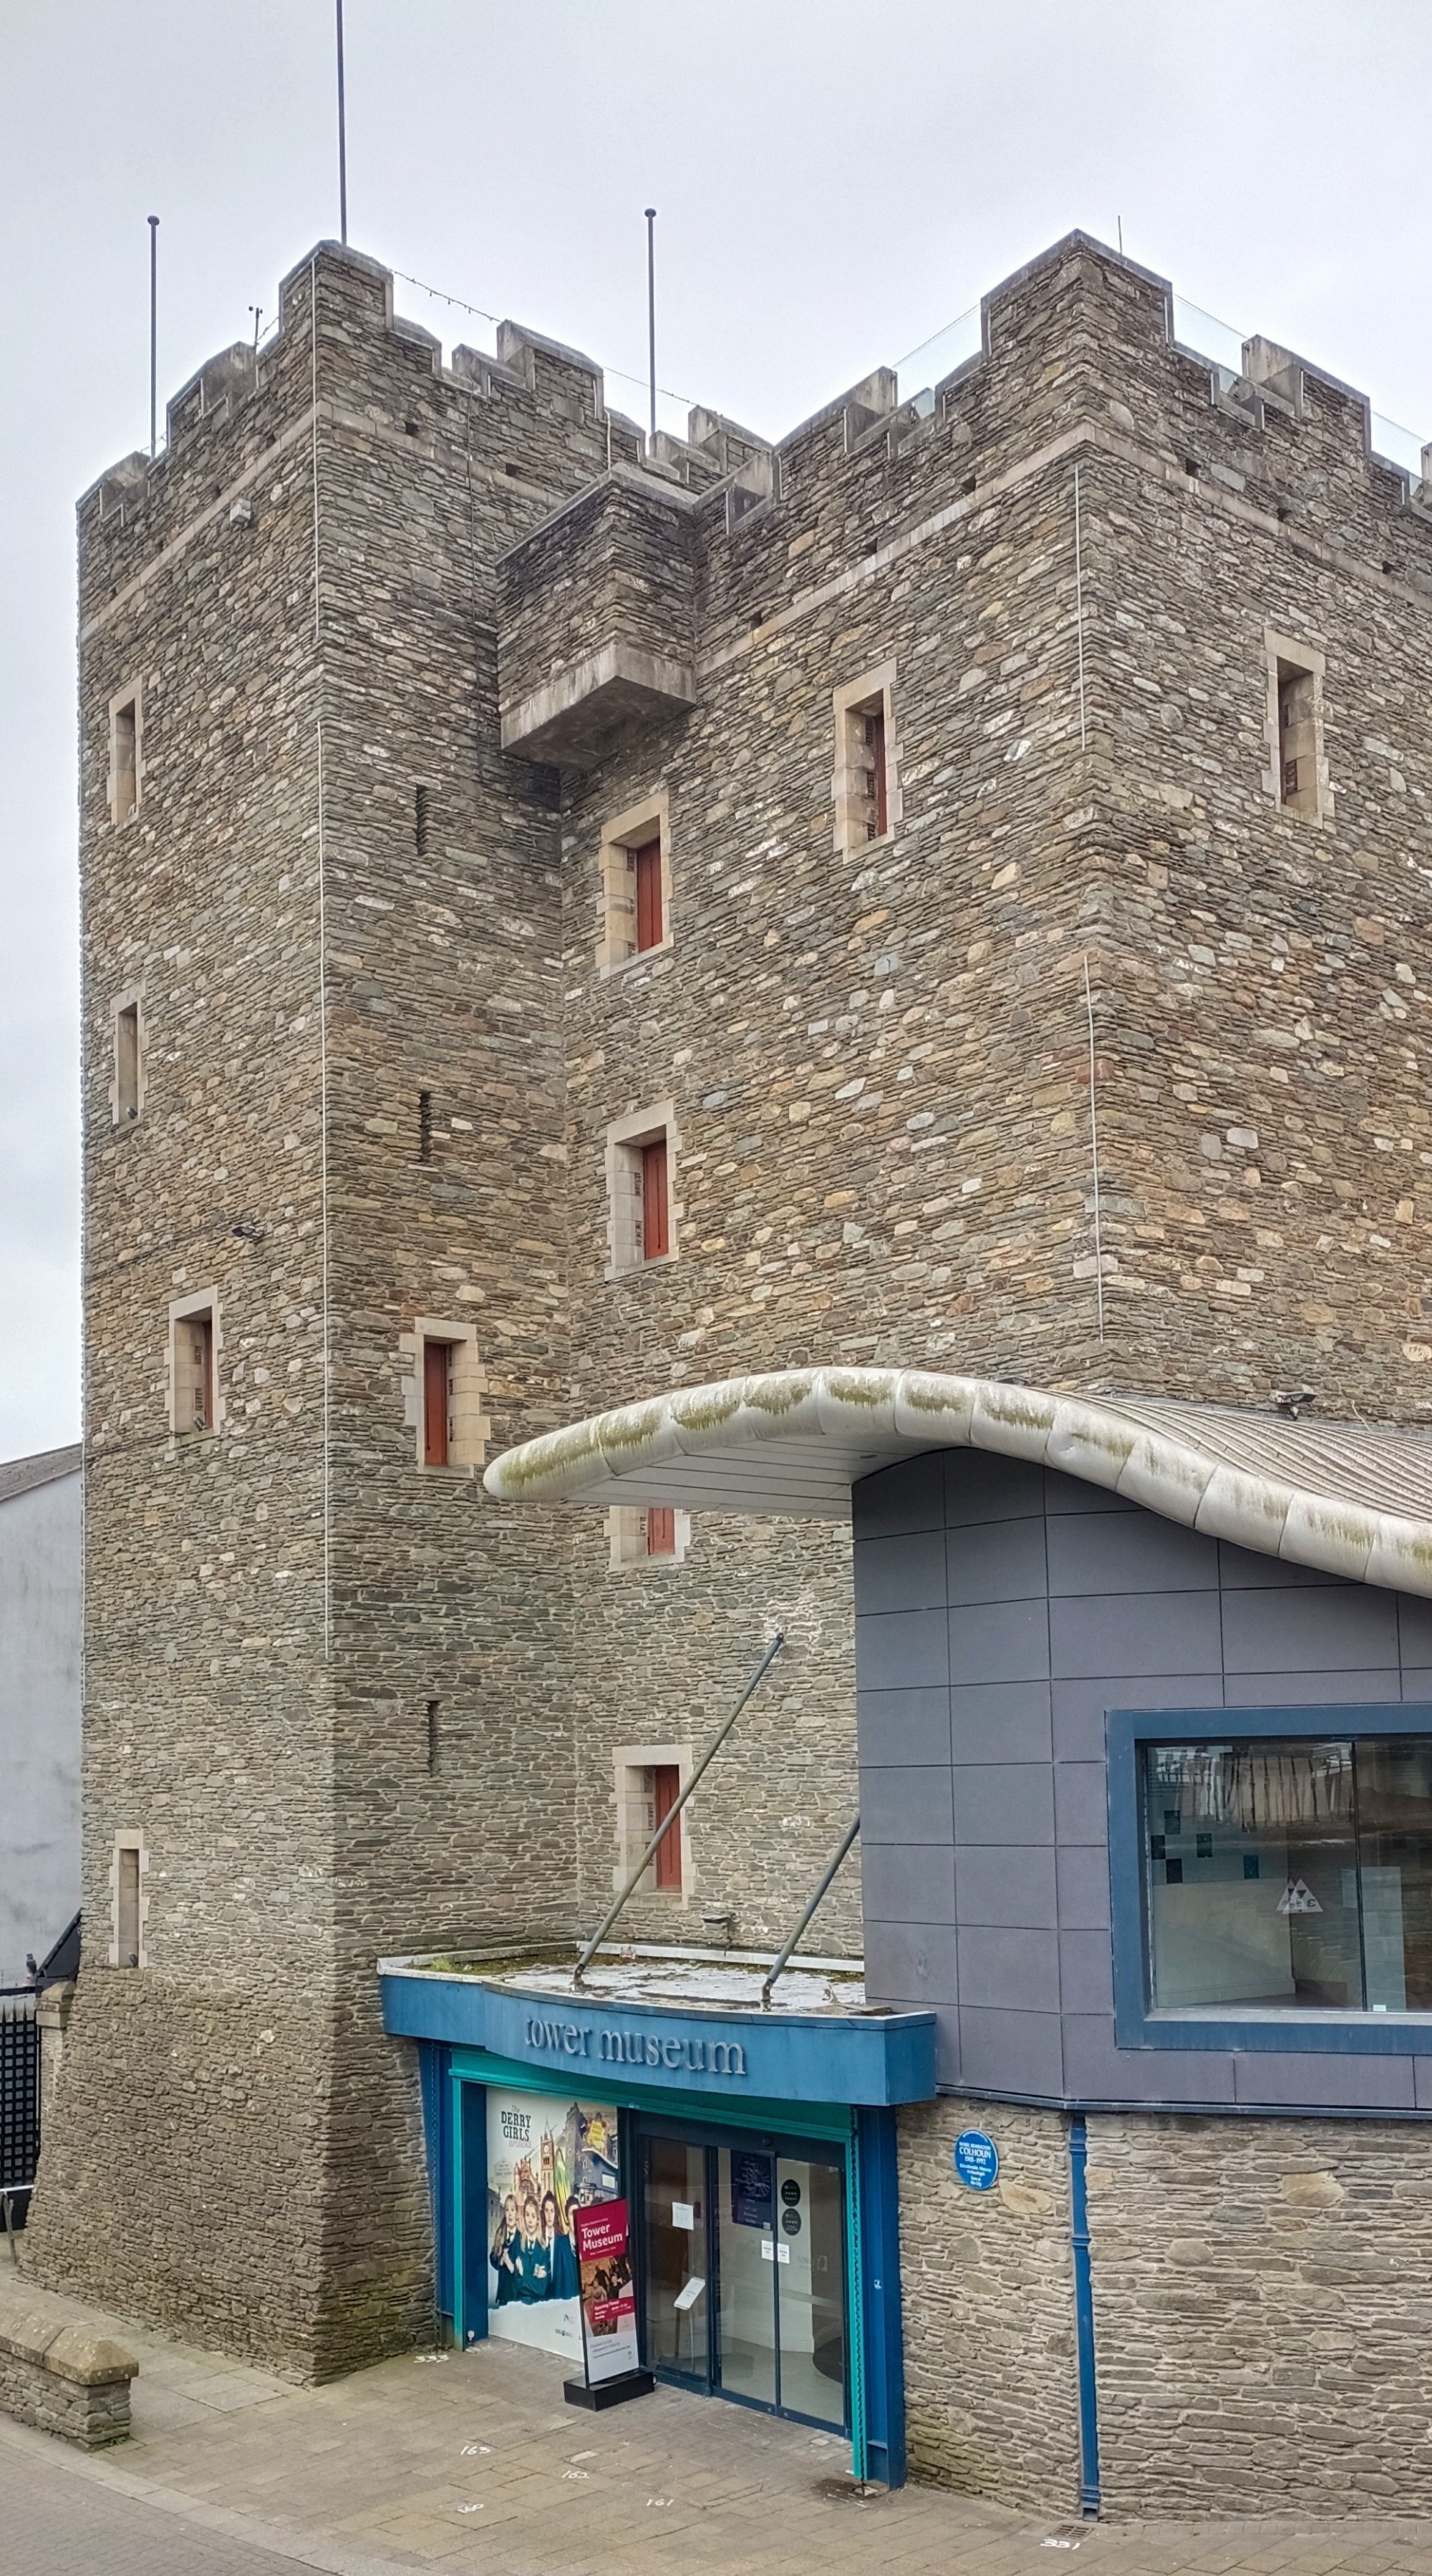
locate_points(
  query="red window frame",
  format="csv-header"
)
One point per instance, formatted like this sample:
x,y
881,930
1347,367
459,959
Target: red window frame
x,y
437,1396
655,1203
661,1530
665,1790
650,925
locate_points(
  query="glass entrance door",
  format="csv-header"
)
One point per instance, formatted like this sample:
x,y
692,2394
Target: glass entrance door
x,y
676,2204
743,2261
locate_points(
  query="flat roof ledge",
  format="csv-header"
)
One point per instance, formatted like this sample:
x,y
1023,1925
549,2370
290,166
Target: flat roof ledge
x,y
805,2049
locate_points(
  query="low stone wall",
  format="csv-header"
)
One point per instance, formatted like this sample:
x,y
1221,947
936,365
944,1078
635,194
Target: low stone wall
x,y
65,2380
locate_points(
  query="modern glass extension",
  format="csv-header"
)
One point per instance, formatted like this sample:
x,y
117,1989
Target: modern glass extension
x,y
1289,1873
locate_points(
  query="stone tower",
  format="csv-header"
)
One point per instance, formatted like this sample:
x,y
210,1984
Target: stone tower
x,y
1067,714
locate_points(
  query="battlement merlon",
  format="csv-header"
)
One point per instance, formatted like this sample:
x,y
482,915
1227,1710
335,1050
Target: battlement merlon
x,y
1076,334
534,412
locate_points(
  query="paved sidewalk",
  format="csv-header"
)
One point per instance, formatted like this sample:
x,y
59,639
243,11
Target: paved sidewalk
x,y
473,2462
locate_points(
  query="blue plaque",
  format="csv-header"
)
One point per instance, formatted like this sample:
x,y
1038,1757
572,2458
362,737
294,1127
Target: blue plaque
x,y
976,2160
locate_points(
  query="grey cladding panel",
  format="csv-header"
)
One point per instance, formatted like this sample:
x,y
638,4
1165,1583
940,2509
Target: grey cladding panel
x,y
1003,1802
1329,2082
1017,1970
1086,1972
981,1486
1135,1633
911,1963
1003,1561
900,1884
910,1496
1000,1722
1300,1690
904,1725
901,1573
1319,1628
1011,2052
1010,1886
1079,1707
1097,2070
1113,1552
1003,1641
901,1649
906,1804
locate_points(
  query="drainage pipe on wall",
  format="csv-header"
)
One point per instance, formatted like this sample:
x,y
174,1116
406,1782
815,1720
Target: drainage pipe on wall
x,y
1084,2315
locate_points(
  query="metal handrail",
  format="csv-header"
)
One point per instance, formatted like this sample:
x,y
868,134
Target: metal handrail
x,y
781,1960
590,1948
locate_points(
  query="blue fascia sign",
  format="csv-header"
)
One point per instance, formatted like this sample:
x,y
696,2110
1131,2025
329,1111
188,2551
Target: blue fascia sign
x,y
778,2056
976,2160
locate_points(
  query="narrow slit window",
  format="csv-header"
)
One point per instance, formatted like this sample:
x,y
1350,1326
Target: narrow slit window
x,y
650,925
655,1202
437,1403
877,792
124,759
866,782
194,1373
1297,740
126,1063
661,1530
126,1906
665,1790
420,821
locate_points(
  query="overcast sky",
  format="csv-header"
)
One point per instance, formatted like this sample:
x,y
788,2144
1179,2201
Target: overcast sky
x,y
835,180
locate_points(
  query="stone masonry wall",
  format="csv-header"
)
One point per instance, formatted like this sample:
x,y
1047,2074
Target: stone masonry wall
x,y
880,1064
879,1069
991,2385
1260,2302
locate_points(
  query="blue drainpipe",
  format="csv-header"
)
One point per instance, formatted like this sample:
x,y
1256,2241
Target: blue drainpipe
x,y
1084,2317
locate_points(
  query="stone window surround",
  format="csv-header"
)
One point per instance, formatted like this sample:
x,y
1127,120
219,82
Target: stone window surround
x,y
626,1528
616,899
629,1761
471,1428
131,999
131,695
135,1842
624,1140
1303,657
847,797
204,1301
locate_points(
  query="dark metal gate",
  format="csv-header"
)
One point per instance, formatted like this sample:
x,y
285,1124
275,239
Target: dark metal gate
x,y
19,2099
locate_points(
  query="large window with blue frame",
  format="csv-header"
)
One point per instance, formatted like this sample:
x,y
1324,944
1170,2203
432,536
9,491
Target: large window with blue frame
x,y
1290,1873
1271,1867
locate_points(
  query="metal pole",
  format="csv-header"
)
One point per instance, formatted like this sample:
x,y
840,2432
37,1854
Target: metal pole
x,y
781,1961
651,307
342,139
590,1948
153,336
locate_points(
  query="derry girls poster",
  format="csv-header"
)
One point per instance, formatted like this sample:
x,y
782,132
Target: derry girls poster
x,y
545,2161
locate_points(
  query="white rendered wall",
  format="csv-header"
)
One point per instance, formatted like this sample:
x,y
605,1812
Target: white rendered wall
x,y
39,1719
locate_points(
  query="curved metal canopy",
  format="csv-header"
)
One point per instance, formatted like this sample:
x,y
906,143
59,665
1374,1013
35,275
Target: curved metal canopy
x,y
1350,1498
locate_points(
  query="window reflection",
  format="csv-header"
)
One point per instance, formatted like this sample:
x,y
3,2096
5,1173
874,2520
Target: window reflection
x,y
1290,1874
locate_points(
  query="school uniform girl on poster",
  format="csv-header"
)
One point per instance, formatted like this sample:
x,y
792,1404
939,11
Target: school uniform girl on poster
x,y
533,2262
506,2245
559,2245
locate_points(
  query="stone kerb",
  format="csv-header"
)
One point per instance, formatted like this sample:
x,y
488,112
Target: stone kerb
x,y
64,2380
